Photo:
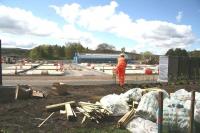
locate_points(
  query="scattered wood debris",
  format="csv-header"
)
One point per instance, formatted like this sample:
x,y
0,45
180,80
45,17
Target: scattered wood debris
x,y
92,111
27,91
19,92
37,94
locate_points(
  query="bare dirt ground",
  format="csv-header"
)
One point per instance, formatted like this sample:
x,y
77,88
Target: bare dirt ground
x,y
25,115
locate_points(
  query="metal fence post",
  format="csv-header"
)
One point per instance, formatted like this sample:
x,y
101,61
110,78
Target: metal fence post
x,y
160,112
192,112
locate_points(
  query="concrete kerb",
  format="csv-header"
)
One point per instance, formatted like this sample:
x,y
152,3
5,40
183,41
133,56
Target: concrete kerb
x,y
107,82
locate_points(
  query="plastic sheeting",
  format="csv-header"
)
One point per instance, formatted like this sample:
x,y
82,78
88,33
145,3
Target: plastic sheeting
x,y
140,125
148,105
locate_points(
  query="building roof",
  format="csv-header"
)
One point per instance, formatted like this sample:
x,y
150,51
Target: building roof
x,y
100,56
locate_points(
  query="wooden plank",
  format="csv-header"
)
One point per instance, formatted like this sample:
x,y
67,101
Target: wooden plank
x,y
57,107
63,112
45,119
126,118
74,113
68,109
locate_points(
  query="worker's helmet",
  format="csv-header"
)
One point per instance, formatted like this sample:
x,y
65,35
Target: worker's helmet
x,y
121,55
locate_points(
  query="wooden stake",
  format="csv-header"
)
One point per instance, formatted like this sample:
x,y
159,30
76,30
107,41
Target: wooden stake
x,y
160,112
16,92
192,112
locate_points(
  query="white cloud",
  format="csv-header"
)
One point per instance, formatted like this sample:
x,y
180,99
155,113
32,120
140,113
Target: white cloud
x,y
179,16
154,33
148,35
19,21
16,24
12,41
70,33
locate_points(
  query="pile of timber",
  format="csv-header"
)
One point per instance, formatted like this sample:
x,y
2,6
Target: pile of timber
x,y
92,111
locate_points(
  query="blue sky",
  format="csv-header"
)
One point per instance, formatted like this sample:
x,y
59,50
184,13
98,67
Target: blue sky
x,y
137,25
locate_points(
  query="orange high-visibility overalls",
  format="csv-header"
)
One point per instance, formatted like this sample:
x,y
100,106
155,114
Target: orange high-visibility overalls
x,y
120,69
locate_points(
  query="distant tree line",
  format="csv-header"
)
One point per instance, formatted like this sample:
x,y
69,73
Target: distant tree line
x,y
183,52
56,52
66,52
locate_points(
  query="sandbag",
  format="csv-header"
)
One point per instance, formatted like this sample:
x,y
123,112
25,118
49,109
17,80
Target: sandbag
x,y
134,94
197,108
148,105
115,104
197,112
180,96
140,125
175,118
184,97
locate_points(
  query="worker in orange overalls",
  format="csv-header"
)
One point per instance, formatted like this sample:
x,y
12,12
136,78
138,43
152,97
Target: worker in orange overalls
x,y
120,69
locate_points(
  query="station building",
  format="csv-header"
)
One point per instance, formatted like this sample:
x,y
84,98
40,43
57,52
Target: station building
x,y
97,58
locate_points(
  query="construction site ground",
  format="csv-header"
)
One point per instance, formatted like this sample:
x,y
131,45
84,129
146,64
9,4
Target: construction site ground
x,y
82,85
75,75
25,115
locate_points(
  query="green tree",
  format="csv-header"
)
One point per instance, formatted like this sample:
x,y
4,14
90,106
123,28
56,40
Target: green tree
x,y
105,48
50,52
62,51
177,52
146,55
170,52
123,49
195,53
72,48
